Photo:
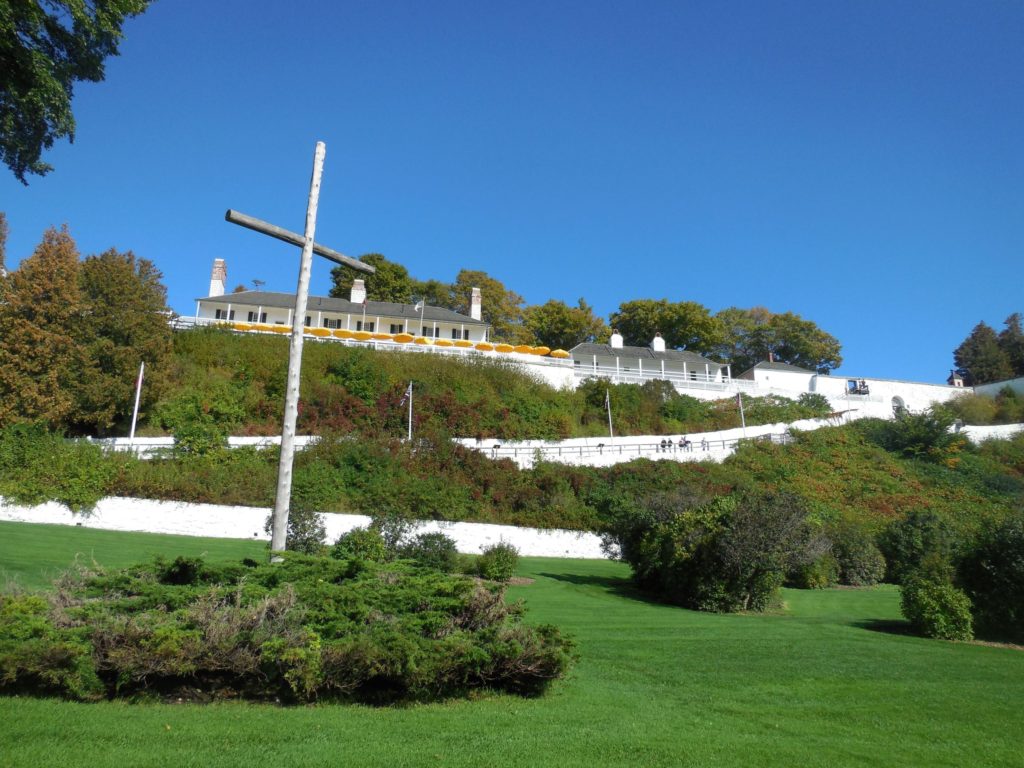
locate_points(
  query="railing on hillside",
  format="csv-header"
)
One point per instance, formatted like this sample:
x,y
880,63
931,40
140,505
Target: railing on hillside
x,y
639,450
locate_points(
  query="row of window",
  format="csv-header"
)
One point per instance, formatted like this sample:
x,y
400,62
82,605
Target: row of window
x,y
369,327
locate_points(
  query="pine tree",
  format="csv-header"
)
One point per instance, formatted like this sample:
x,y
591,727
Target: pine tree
x,y
1011,341
980,359
39,356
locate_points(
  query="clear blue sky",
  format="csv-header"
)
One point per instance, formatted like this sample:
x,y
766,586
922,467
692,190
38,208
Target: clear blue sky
x,y
859,163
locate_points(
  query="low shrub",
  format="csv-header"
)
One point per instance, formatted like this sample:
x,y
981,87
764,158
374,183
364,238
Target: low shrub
x,y
498,562
361,544
432,550
936,609
818,574
307,629
306,531
907,542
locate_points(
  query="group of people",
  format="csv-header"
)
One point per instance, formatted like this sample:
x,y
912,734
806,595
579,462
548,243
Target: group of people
x,y
684,444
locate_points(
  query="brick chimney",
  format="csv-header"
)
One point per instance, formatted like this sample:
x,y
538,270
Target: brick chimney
x,y
476,304
358,295
218,277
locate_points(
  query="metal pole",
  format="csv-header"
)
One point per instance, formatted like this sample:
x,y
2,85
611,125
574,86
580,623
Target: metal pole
x,y
743,419
608,404
135,412
410,413
291,398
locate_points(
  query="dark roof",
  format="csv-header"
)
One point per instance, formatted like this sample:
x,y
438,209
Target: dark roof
x,y
328,304
765,365
641,353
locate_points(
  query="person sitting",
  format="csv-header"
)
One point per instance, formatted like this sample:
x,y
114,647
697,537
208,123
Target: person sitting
x,y
664,446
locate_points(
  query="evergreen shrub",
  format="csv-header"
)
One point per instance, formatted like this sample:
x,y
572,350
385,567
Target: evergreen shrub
x,y
861,564
361,544
936,609
432,550
307,629
498,562
992,574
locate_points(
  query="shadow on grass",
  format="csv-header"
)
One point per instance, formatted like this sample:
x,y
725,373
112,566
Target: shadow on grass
x,y
887,626
615,585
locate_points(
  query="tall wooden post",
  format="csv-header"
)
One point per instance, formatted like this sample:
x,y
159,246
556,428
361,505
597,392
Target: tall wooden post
x,y
291,398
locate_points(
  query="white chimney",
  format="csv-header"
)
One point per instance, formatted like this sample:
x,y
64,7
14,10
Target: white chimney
x,y
358,295
218,277
476,305
657,343
616,340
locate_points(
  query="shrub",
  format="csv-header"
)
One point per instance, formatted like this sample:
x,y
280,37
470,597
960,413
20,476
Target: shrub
x,y
818,574
908,542
432,550
498,562
992,574
936,609
307,629
861,564
361,544
306,531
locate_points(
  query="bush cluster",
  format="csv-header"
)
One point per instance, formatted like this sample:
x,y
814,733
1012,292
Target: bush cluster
x,y
310,628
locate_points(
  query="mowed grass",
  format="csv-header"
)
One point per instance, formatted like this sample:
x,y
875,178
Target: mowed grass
x,y
827,682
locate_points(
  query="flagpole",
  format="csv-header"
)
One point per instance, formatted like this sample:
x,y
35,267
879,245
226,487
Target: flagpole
x,y
608,405
135,412
743,419
410,413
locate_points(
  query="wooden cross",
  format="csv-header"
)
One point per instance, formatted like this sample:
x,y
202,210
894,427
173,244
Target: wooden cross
x,y
279,523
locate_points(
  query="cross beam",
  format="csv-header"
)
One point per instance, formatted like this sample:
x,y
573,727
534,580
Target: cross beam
x,y
294,238
279,524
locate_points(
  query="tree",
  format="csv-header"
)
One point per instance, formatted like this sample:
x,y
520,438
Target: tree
x,y
391,281
39,356
45,48
684,324
752,335
556,325
3,241
124,323
434,293
501,308
1011,340
980,359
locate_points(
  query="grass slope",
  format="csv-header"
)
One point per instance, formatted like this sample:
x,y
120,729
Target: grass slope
x,y
819,684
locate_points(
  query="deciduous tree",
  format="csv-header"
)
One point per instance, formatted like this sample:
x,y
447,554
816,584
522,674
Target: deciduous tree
x,y
752,335
501,308
124,323
391,281
39,353
45,48
556,325
683,324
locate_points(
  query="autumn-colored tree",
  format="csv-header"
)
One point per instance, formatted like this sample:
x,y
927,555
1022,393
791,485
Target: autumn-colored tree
x,y
391,281
3,241
501,308
683,324
124,323
556,325
39,353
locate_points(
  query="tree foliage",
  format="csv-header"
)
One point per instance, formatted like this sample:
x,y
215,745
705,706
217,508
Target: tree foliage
x,y
1011,341
981,359
683,324
72,336
45,48
556,325
391,282
501,308
750,336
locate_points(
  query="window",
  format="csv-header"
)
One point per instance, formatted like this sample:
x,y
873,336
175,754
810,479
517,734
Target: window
x,y
256,317
309,321
428,332
361,326
397,328
456,334
223,314
332,323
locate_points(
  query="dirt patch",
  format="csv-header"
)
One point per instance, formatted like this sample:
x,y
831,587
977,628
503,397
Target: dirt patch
x,y
519,581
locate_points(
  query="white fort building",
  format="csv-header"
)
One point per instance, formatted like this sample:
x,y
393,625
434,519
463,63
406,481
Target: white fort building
x,y
420,328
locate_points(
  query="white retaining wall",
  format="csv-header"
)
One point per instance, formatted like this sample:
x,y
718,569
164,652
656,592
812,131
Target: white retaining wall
x,y
117,514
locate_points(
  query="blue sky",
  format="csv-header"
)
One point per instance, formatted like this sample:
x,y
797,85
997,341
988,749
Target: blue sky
x,y
859,163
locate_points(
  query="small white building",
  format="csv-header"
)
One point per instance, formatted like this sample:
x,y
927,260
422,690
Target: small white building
x,y
353,314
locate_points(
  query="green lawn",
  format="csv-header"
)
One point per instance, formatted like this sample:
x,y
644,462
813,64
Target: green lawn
x,y
826,683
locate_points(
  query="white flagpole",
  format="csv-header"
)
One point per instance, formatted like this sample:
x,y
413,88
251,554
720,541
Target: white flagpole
x,y
135,412
743,419
608,405
409,393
